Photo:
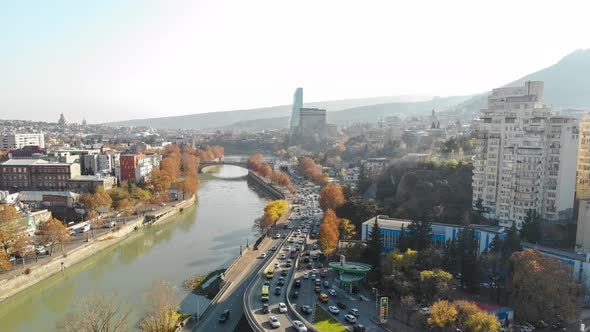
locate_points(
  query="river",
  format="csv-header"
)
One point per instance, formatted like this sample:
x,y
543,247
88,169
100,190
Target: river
x,y
203,238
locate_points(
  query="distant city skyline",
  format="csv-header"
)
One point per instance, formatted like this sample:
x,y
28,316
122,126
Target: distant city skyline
x,y
117,60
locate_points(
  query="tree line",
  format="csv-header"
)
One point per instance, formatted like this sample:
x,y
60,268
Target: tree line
x,y
255,164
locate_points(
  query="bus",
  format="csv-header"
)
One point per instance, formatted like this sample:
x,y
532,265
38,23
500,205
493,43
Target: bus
x,y
270,272
264,296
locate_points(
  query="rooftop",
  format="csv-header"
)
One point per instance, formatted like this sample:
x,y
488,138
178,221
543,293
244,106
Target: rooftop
x,y
24,162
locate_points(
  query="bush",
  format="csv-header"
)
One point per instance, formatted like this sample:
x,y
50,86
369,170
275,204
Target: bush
x,y
27,271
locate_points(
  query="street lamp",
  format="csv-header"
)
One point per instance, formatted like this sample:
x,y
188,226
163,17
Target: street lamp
x,y
376,292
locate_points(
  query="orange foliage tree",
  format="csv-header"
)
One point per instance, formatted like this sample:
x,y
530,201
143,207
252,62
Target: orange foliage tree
x,y
308,168
329,232
332,196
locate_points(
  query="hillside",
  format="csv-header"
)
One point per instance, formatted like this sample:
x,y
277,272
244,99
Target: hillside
x,y
567,85
228,118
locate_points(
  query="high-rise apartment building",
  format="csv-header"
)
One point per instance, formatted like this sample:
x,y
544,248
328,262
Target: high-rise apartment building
x,y
525,157
583,179
295,111
18,141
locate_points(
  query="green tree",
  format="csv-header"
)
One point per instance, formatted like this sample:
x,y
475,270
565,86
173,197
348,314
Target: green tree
x,y
531,227
403,242
468,260
374,251
420,235
451,256
434,284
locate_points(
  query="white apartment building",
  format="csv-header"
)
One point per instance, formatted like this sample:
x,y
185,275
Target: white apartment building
x,y
525,157
18,141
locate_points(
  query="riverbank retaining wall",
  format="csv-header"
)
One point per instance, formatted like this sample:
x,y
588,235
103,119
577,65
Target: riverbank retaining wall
x,y
60,262
264,186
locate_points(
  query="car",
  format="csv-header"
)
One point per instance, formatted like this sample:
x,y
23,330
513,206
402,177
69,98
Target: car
x,y
283,256
317,289
332,292
274,322
295,294
326,284
306,275
300,242
323,273
281,281
289,263
425,310
312,276
291,240
224,316
314,271
299,326
85,229
72,232
265,309
358,328
41,250
297,283
354,312
277,265
334,310
318,282
297,247
288,248
350,318
262,256
274,248
282,307
306,260
277,290
341,305
284,273
267,283
306,309
277,236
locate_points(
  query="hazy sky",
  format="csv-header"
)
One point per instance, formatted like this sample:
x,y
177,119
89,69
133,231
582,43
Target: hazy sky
x,y
116,59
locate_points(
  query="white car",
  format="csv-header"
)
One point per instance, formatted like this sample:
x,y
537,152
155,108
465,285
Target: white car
x,y
334,309
354,312
277,236
288,248
274,322
306,275
283,256
425,311
277,265
282,307
350,318
299,326
263,255
332,292
312,276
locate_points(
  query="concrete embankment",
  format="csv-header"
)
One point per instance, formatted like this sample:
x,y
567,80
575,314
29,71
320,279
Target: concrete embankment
x,y
262,185
60,261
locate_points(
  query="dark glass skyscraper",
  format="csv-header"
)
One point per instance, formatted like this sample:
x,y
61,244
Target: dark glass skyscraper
x,y
295,111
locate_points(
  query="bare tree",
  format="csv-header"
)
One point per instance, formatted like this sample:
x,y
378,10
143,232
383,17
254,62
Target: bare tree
x,y
162,308
95,313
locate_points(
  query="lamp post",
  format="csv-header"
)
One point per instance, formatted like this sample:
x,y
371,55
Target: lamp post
x,y
376,292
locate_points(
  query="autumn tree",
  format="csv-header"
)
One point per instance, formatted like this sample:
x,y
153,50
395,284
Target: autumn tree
x,y
11,225
462,316
54,232
95,313
4,261
93,201
160,181
434,284
284,180
162,309
125,207
332,196
329,232
254,162
536,278
442,314
265,170
347,229
482,322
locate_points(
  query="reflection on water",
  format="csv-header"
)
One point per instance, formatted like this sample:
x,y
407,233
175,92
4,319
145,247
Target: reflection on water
x,y
201,239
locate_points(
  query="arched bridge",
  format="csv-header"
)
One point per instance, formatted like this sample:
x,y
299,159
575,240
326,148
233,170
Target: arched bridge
x,y
241,162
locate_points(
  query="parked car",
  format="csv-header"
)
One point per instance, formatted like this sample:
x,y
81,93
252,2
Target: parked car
x,y
295,294
354,312
282,307
274,322
341,305
265,309
350,318
358,328
224,316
